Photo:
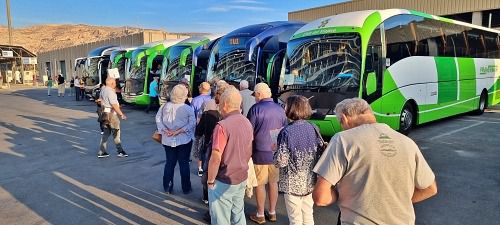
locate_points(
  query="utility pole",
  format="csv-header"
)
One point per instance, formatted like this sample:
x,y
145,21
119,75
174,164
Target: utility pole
x,y
9,20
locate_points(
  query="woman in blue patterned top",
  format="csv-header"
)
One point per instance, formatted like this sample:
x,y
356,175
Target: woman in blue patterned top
x,y
298,151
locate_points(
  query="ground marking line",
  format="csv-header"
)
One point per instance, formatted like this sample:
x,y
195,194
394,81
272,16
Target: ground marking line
x,y
472,120
457,130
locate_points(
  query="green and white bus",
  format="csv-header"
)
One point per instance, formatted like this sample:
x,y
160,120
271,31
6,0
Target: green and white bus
x,y
410,66
178,64
142,60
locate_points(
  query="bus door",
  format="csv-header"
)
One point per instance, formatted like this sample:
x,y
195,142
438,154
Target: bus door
x,y
274,71
374,67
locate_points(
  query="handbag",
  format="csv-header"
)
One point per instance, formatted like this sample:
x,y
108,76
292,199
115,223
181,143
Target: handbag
x,y
156,136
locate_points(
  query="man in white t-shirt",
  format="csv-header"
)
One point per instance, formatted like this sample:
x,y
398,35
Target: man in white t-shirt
x,y
377,173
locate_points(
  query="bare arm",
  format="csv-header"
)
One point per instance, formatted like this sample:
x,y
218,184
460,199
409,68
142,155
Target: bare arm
x,y
117,109
423,194
323,193
213,165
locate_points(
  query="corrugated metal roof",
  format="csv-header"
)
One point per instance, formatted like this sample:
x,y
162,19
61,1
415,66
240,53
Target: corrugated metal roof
x,y
435,7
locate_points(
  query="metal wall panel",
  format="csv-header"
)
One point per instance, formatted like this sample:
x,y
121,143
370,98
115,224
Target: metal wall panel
x,y
435,7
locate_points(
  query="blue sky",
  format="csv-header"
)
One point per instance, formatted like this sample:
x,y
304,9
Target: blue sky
x,y
214,16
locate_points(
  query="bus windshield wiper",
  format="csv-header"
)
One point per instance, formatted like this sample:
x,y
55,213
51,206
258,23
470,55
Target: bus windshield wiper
x,y
300,88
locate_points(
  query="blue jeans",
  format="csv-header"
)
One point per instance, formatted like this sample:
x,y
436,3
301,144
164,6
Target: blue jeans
x,y
227,204
179,154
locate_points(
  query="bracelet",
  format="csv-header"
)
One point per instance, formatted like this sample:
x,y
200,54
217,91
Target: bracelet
x,y
211,183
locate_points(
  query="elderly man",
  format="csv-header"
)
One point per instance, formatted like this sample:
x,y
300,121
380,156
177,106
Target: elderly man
x,y
266,117
110,112
376,177
228,165
247,99
198,101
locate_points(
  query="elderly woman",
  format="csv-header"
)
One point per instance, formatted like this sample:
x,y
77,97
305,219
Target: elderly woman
x,y
176,122
209,118
299,148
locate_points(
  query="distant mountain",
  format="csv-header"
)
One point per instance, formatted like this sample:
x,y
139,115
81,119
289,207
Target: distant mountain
x,y
47,37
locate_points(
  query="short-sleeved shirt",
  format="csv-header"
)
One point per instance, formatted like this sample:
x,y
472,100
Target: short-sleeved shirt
x,y
375,170
197,102
153,87
265,116
108,97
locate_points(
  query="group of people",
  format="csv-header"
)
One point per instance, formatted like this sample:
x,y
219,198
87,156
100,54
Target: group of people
x,y
244,141
61,85
77,87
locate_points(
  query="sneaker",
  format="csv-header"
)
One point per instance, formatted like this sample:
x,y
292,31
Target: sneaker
x,y
270,217
205,201
200,172
102,155
122,154
257,219
102,132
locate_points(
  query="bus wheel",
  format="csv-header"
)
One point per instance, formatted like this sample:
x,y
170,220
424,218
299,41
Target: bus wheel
x,y
406,119
483,103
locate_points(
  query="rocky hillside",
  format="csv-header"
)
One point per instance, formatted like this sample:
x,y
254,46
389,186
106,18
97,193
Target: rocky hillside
x,y
41,38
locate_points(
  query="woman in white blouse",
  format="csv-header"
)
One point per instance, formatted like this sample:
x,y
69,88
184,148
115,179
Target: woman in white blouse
x,y
176,122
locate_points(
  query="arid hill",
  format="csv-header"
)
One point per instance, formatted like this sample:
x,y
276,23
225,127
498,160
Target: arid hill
x,y
42,38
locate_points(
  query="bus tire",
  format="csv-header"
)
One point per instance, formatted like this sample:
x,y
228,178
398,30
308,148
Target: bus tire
x,y
407,118
483,104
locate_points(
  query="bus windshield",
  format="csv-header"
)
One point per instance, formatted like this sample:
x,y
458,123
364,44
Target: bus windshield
x,y
138,72
331,61
93,72
174,72
231,64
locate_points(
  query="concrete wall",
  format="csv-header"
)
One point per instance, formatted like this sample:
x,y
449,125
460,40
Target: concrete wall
x,y
435,7
69,54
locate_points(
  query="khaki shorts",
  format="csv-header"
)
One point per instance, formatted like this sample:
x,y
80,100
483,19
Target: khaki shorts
x,y
266,174
61,88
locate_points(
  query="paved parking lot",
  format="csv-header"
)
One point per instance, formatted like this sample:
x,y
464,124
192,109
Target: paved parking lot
x,y
49,172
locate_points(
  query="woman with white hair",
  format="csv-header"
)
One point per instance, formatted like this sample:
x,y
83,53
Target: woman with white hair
x,y
176,122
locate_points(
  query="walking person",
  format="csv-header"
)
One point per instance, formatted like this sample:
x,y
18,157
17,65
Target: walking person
x,y
176,122
376,178
153,94
266,117
110,113
228,165
49,85
82,87
247,99
299,148
77,88
61,86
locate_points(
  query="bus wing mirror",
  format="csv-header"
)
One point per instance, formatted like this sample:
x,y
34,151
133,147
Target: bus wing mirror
x,y
371,83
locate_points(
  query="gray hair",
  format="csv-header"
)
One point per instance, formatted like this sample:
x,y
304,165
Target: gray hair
x,y
243,84
178,94
231,97
352,107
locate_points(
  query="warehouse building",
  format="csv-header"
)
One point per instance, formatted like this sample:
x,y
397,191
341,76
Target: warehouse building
x,y
480,12
52,62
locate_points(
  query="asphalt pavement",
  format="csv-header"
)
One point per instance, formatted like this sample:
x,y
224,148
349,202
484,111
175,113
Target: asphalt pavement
x,y
50,173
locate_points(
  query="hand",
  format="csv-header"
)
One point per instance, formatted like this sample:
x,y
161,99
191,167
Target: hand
x,y
169,133
123,117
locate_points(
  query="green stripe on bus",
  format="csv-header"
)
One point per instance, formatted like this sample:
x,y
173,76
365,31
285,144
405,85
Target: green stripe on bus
x,y
467,74
447,79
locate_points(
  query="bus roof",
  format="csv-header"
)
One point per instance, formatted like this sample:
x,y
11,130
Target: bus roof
x,y
359,18
102,51
255,29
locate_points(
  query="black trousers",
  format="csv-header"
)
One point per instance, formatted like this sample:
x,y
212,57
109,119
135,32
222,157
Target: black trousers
x,y
179,154
153,103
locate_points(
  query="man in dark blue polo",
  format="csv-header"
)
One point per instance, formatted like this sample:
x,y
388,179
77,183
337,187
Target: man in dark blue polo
x,y
266,117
